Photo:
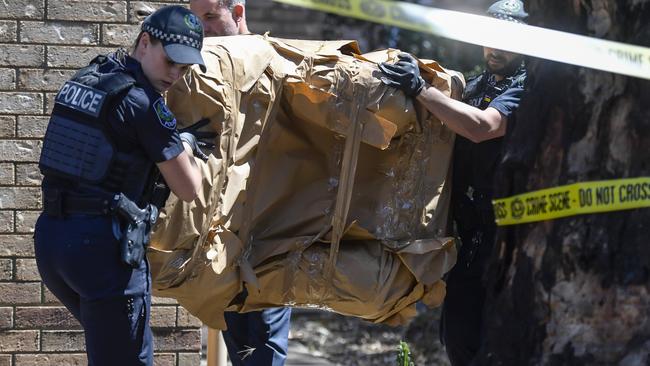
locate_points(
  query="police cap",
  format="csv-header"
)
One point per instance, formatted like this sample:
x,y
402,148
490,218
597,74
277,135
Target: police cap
x,y
180,32
511,10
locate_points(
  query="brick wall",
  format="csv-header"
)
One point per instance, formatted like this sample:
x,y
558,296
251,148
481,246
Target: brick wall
x,y
42,42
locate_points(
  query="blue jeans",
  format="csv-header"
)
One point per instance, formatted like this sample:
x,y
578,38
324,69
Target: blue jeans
x,y
258,338
78,258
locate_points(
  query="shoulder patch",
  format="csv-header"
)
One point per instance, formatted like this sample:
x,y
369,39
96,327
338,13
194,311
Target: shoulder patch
x,y
165,116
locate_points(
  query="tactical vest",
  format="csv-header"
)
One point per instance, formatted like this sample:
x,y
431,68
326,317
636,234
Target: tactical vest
x,y
79,154
475,163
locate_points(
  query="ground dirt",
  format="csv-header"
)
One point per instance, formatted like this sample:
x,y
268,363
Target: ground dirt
x,y
349,341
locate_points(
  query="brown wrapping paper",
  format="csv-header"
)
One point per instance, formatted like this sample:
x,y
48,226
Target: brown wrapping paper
x,y
326,188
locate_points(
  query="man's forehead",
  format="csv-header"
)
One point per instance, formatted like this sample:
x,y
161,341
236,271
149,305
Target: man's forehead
x,y
208,6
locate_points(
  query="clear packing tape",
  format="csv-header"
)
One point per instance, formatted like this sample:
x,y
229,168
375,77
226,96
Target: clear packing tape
x,y
326,188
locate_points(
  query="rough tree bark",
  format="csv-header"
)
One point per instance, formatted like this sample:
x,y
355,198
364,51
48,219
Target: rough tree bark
x,y
575,291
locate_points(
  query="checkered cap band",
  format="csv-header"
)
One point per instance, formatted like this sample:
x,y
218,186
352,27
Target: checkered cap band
x,y
506,17
172,38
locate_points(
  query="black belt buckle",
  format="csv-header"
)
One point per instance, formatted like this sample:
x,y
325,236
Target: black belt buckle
x,y
53,202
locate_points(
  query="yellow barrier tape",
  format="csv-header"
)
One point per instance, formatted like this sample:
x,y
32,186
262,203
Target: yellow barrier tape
x,y
573,199
539,42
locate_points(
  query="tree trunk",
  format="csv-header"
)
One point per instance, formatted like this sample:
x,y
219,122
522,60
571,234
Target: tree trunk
x,y
575,291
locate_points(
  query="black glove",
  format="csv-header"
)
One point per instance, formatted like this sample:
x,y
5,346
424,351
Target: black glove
x,y
198,139
403,75
194,145
203,136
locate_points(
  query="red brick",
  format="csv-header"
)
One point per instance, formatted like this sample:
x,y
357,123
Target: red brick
x,y
43,79
73,56
138,10
6,223
189,359
58,32
6,318
164,359
19,341
32,126
49,298
163,316
187,320
20,293
16,55
27,174
119,34
16,246
21,197
19,103
93,11
162,300
58,359
6,269
63,341
26,270
7,76
26,220
30,9
7,129
45,317
49,102
177,340
7,170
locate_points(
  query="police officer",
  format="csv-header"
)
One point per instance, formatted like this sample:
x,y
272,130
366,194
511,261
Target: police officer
x,y
257,338
490,101
109,139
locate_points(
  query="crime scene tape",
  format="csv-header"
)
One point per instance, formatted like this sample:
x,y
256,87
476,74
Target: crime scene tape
x,y
615,57
573,199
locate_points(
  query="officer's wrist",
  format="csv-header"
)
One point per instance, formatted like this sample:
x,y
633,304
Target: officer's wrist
x,y
187,147
429,92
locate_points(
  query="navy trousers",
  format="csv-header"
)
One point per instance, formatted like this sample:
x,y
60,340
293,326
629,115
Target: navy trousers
x,y
78,258
462,311
258,338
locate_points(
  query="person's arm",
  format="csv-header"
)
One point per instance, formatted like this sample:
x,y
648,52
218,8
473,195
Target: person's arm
x,y
156,133
470,122
182,174
192,140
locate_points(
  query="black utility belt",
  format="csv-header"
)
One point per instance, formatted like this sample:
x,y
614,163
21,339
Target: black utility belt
x,y
59,203
138,221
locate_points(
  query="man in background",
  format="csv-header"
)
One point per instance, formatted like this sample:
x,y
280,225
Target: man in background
x,y
257,338
221,17
489,104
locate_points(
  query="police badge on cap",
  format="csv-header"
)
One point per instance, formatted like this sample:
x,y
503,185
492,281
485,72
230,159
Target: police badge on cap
x,y
180,32
510,10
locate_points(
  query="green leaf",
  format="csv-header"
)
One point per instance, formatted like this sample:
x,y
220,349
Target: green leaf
x,y
404,355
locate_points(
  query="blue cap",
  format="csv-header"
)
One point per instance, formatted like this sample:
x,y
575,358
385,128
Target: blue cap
x,y
180,32
510,10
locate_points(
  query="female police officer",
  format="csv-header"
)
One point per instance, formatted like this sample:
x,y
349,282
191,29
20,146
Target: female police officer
x,y
109,138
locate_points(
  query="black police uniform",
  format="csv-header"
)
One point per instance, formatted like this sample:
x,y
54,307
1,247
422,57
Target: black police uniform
x,y
474,167
108,128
